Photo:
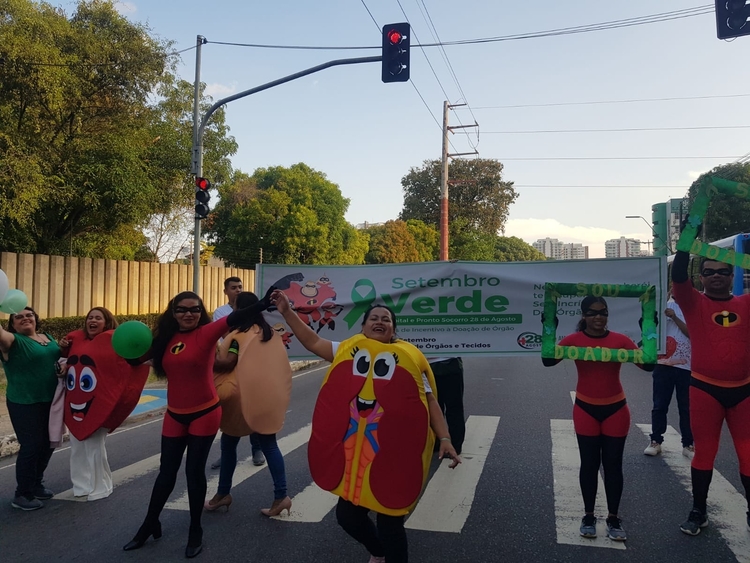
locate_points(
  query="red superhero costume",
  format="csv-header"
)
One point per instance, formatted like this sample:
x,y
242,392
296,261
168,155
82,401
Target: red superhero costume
x,y
192,402
600,400
720,384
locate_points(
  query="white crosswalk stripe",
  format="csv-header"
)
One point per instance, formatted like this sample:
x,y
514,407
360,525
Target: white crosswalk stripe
x,y
726,505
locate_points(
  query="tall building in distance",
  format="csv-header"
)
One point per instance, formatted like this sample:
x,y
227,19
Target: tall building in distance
x,y
557,250
622,248
666,219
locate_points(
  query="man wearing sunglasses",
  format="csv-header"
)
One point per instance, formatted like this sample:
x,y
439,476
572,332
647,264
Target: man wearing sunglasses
x,y
719,327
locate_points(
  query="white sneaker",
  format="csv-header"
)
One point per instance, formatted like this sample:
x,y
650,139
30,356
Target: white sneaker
x,y
689,451
654,448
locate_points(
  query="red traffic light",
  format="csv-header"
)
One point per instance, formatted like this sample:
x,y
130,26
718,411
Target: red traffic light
x,y
395,37
202,184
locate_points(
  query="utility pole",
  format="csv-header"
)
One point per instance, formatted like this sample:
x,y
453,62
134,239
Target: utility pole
x,y
198,166
444,229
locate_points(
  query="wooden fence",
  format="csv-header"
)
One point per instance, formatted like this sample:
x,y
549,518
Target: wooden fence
x,y
65,286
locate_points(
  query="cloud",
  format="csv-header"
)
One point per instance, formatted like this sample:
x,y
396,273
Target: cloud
x,y
532,230
126,7
217,90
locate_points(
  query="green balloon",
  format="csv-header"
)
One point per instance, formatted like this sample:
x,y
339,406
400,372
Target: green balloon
x,y
15,301
131,340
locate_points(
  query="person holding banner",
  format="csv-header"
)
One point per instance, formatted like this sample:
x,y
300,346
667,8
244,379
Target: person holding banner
x,y
372,428
183,350
601,416
719,326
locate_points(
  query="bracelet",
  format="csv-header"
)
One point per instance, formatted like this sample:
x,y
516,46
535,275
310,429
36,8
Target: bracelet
x,y
448,439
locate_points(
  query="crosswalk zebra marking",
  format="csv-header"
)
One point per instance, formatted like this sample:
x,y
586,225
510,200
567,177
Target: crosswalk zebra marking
x,y
726,505
446,502
566,464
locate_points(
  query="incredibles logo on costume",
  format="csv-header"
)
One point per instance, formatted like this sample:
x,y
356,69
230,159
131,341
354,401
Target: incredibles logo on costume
x,y
177,348
726,319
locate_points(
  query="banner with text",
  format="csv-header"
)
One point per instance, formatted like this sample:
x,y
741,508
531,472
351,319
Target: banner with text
x,y
458,308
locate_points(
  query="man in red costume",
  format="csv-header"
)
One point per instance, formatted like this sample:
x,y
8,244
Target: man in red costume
x,y
719,326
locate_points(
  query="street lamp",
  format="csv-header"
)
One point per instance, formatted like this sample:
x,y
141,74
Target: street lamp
x,y
653,233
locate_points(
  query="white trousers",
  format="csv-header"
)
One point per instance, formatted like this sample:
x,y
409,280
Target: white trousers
x,y
89,468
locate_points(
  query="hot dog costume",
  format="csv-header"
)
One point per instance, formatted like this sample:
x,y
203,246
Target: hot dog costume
x,y
371,440
255,395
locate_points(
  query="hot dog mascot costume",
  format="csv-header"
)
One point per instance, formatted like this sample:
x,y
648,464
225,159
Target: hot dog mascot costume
x,y
371,440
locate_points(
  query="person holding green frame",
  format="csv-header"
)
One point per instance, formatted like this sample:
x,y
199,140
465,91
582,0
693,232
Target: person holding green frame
x,y
601,416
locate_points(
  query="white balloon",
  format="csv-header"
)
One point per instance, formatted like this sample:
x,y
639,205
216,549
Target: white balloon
x,y
3,285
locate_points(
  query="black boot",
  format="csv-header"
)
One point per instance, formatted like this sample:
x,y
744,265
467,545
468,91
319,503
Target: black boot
x,y
147,529
195,542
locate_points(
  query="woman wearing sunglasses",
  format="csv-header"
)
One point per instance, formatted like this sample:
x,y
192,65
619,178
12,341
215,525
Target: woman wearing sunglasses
x,y
601,417
183,351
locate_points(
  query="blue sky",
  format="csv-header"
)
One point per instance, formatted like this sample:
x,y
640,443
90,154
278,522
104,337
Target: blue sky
x,y
365,135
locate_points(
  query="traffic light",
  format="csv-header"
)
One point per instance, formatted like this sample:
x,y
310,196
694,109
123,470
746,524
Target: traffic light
x,y
396,38
732,18
202,198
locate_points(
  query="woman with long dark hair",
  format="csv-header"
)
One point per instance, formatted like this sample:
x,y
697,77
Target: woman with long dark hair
x,y
183,351
601,416
254,382
29,358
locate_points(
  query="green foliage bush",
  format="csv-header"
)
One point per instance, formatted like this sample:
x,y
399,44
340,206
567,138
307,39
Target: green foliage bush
x,y
60,326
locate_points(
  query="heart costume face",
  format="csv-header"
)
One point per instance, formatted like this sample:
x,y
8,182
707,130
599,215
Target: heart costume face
x,y
102,389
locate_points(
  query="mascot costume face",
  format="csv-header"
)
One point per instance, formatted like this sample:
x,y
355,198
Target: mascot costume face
x,y
371,440
102,389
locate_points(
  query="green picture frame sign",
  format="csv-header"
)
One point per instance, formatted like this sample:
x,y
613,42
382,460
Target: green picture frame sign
x,y
696,216
646,294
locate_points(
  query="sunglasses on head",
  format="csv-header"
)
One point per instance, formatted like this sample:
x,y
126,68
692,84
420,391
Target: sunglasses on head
x,y
594,313
708,272
182,310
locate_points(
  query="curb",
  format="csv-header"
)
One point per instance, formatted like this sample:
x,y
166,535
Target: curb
x,y
9,445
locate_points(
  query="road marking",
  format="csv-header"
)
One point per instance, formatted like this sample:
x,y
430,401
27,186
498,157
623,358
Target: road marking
x,y
120,477
566,464
311,505
246,470
726,506
311,371
446,502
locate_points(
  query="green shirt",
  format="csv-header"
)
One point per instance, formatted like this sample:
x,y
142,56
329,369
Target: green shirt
x,y
30,370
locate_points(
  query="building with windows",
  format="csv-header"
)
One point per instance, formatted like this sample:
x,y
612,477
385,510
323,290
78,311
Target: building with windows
x,y
622,248
557,250
666,219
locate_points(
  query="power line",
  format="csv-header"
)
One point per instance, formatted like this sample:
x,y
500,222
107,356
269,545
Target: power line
x,y
630,101
619,158
622,130
613,24
371,16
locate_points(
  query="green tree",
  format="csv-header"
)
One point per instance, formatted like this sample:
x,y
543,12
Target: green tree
x,y
295,214
477,195
426,240
467,243
87,160
391,243
514,249
727,215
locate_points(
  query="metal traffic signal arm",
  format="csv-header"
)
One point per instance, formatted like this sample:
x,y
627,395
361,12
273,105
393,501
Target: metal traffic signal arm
x,y
199,124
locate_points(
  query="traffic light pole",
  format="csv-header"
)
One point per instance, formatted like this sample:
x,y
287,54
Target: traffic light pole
x,y
199,42
197,165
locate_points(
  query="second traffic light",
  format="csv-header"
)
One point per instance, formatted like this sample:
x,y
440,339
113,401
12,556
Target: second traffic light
x,y
202,197
732,18
396,40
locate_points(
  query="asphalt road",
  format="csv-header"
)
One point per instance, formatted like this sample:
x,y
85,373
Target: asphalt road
x,y
513,506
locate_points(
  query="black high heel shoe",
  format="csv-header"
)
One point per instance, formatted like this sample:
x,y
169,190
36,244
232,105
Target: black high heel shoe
x,y
144,532
195,542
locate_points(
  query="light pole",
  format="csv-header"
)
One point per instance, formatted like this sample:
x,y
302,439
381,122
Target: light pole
x,y
653,233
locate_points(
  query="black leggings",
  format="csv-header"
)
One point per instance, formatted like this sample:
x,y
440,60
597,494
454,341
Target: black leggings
x,y
195,471
605,451
388,539
30,423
